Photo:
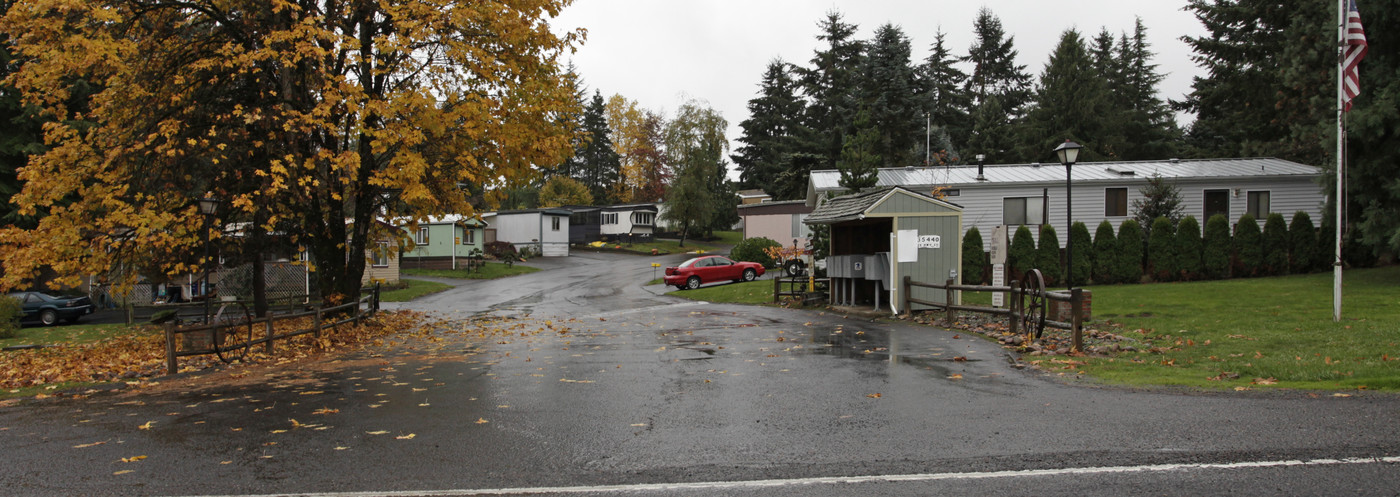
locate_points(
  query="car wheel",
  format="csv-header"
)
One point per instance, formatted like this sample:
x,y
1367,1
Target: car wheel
x,y
794,268
693,282
750,274
48,317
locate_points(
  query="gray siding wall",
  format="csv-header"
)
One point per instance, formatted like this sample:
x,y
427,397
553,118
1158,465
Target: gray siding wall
x,y
934,264
982,205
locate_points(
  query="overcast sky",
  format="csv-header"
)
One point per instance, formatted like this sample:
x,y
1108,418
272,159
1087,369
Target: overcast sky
x,y
660,52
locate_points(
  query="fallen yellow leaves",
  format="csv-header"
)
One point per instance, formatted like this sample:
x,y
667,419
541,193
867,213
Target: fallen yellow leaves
x,y
406,437
133,458
122,472
481,421
146,426
379,432
874,395
84,446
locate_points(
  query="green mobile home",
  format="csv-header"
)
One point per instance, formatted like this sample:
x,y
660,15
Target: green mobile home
x,y
443,242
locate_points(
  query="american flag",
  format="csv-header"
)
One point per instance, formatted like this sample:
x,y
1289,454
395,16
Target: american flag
x,y
1354,49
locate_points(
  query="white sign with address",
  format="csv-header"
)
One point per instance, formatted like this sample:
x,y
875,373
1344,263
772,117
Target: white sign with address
x,y
930,241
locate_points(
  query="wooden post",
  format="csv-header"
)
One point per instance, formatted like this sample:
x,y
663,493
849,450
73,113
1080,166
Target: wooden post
x,y
316,322
1076,301
948,301
1015,306
777,285
172,366
904,295
267,346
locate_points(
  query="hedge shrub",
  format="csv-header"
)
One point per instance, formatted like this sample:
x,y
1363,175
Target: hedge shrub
x,y
1129,267
10,311
1188,248
1302,245
1105,254
973,258
751,250
501,250
1275,246
1083,252
1161,250
1021,255
1215,248
1249,248
1047,256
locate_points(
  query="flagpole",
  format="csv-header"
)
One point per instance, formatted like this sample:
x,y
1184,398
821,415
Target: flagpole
x,y
1341,159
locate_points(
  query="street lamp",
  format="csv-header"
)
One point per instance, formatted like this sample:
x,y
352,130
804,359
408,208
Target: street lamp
x,y
1069,153
207,206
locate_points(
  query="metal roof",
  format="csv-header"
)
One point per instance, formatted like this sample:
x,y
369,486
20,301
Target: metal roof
x,y
856,205
828,180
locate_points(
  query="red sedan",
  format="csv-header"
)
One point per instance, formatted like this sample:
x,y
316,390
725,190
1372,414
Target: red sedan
x,y
709,269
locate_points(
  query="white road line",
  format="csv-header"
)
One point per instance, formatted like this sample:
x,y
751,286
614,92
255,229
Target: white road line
x,y
836,480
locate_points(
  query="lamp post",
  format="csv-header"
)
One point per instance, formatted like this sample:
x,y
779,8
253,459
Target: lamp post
x,y
1069,153
207,206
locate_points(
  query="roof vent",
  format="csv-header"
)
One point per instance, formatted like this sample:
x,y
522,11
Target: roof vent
x,y
1174,160
1122,172
1035,164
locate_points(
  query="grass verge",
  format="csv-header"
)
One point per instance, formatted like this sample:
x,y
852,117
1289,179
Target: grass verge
x,y
491,271
412,289
77,333
750,292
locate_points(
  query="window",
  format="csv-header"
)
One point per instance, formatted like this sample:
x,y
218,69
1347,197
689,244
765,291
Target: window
x,y
1258,204
422,237
610,218
379,256
554,223
468,236
1022,210
643,218
952,192
1115,202
1217,202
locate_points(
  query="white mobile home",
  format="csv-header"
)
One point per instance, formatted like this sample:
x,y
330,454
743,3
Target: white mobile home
x,y
545,230
1032,194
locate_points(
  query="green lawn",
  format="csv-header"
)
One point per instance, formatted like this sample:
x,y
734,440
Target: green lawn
x,y
78,333
1260,328
490,271
752,292
412,290
669,246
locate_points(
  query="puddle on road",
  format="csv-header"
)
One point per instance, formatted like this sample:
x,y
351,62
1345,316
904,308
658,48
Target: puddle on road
x,y
877,346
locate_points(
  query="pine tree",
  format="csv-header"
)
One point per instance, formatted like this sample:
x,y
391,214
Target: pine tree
x,y
1188,248
888,94
1070,103
770,134
860,160
1047,256
1148,128
1302,244
1275,245
831,86
1083,253
1130,242
999,88
1161,250
973,257
1249,248
945,99
598,165
1160,198
1105,254
1216,247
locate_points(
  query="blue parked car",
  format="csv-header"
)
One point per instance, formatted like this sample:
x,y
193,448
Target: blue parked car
x,y
49,310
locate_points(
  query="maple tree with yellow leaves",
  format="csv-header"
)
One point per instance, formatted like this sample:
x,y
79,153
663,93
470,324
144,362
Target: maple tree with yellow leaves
x,y
300,115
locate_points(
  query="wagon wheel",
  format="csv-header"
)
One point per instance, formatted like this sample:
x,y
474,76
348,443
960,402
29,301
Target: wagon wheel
x,y
1033,304
233,331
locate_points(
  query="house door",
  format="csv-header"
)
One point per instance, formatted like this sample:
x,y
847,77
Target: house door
x,y
1217,202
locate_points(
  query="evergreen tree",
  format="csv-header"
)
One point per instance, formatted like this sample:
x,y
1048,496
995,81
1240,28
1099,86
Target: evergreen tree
x,y
1105,254
770,134
999,88
1021,256
1047,256
945,100
1275,245
1130,242
1188,248
973,257
1071,103
1216,248
1249,248
1302,244
573,119
599,166
1147,127
860,160
1083,253
888,93
830,85
1161,250
1160,198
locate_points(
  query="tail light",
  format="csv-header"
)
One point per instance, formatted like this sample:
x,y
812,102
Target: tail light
x,y
670,271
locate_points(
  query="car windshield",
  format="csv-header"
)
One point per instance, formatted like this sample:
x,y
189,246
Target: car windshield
x,y
691,262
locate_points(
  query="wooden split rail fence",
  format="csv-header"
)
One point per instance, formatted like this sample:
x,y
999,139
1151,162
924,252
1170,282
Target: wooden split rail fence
x,y
801,287
1027,310
200,339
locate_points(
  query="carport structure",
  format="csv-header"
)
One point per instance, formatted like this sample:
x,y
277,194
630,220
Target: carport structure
x,y
880,236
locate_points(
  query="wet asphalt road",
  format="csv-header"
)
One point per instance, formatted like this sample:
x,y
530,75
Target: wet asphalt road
x,y
645,394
